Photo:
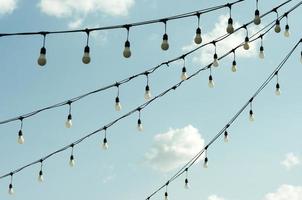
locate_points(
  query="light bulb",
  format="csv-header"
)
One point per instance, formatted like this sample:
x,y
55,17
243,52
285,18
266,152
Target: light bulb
x,y
140,125
278,90
42,58
68,123
105,144
226,137
127,51
261,52
20,137
251,117
184,75
187,186
277,26
215,61
166,195
257,19
246,45
205,163
147,93
234,66
11,189
198,38
286,32
118,105
211,83
40,176
230,28
71,161
86,56
165,44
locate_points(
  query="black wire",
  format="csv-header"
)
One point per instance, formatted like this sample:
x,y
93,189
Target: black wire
x,y
139,108
153,21
126,80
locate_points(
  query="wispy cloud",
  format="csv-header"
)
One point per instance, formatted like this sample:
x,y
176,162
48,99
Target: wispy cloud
x,y
174,148
290,161
7,6
215,197
286,192
205,55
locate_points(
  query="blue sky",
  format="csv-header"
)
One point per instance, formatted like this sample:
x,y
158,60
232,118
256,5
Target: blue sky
x,y
261,161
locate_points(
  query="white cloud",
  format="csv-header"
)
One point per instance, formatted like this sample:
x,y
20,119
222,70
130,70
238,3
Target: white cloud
x,y
286,192
71,8
215,197
205,55
290,161
7,6
77,23
174,148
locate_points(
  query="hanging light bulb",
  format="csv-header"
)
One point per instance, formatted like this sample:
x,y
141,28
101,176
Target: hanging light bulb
x,y
278,90
252,118
147,93
40,176
230,28
246,45
234,66
105,142
215,61
211,83
86,56
184,74
261,52
166,195
257,19
277,26
42,57
71,158
198,39
118,105
165,44
226,136
68,123
205,163
187,186
127,51
139,125
10,186
286,32
20,137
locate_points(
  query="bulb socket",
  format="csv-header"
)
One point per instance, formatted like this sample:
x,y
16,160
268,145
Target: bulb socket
x,y
10,186
165,36
105,141
20,133
287,27
40,173
166,194
261,48
117,100
147,88
69,117
257,13
43,50
87,49
246,39
234,63
71,157
215,56
206,159
184,69
230,21
251,112
210,78
277,22
127,44
277,86
198,31
186,181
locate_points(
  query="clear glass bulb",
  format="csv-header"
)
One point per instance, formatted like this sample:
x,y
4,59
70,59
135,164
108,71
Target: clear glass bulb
x,y
140,125
211,83
215,63
42,58
86,55
286,32
257,19
165,43
40,177
277,26
147,93
234,66
198,39
187,186
11,189
278,90
166,195
127,51
68,123
184,75
118,105
71,161
105,144
205,163
261,53
251,116
20,137
226,137
246,46
230,28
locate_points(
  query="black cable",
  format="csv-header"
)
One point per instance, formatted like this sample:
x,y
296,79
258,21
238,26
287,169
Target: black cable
x,y
126,80
138,109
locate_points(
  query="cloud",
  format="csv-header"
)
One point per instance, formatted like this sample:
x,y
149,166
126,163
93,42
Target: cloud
x,y
71,8
174,148
215,197
7,6
286,192
290,161
205,55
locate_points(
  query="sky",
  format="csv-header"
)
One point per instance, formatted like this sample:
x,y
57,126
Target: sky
x,y
262,160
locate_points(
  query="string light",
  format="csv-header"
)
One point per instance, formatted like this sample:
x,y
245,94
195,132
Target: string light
x,y
257,19
11,190
165,43
147,89
86,56
206,160
278,90
246,45
68,123
40,176
215,57
286,32
127,51
277,25
139,121
261,50
234,64
20,133
118,105
230,28
211,83
105,142
71,158
184,74
187,186
251,113
198,38
42,58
